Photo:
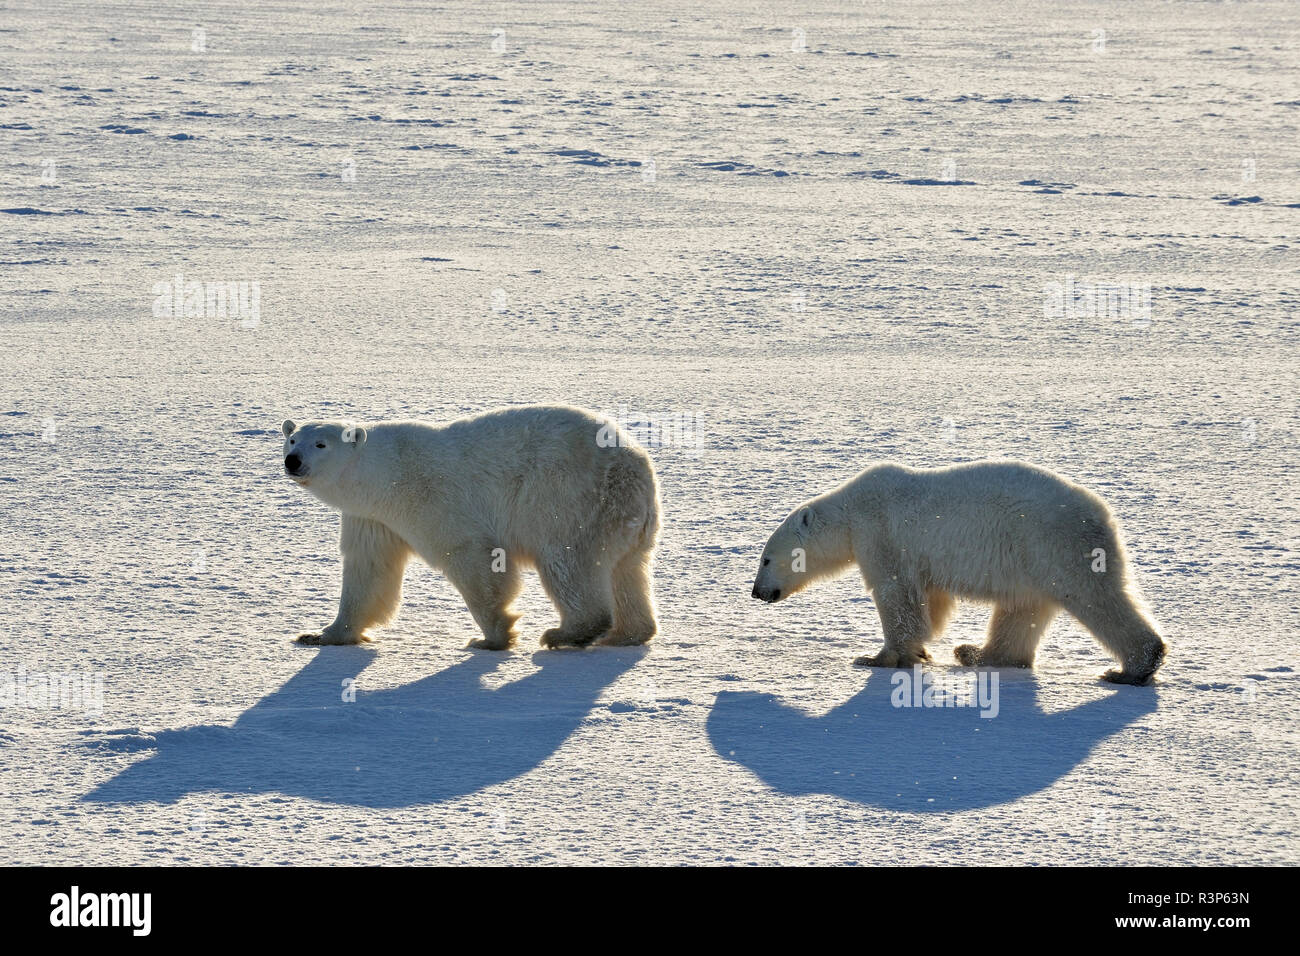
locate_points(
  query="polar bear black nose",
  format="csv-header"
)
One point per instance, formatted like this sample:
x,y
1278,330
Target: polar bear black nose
x,y
292,463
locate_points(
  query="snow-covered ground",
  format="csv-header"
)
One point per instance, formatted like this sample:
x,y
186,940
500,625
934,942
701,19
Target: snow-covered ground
x,y
822,230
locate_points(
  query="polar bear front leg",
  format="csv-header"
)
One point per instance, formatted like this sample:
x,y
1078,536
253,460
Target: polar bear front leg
x,y
374,560
489,581
906,625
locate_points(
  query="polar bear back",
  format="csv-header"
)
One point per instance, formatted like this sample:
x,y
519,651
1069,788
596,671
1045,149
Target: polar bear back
x,y
524,477
991,530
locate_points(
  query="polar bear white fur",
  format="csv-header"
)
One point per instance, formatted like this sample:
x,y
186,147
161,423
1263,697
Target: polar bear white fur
x,y
553,488
1018,536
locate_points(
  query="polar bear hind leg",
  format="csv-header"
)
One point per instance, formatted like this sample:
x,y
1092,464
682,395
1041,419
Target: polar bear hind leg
x,y
374,561
1014,633
580,585
631,521
634,612
1125,631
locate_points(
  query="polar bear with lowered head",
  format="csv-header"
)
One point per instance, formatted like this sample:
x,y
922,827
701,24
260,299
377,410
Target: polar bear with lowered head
x,y
553,488
1020,537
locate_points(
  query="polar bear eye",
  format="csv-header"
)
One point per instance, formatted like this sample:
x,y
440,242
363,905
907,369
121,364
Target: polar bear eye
x,y
320,444
766,562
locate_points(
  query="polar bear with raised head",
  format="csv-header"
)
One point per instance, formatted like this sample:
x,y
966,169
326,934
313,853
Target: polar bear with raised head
x,y
1020,537
553,488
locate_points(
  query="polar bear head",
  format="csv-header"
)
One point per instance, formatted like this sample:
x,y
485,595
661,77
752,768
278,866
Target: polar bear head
x,y
812,543
318,452
783,569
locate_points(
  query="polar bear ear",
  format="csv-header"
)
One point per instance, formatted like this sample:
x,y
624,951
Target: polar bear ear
x,y
354,434
804,521
288,428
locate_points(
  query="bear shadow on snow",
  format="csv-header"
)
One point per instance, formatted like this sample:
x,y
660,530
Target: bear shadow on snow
x,y
437,738
918,759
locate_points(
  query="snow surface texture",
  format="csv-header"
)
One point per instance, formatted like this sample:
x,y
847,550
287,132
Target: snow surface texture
x,y
838,256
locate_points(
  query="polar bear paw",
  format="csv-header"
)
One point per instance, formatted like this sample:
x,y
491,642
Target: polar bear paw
x,y
972,655
325,638
892,658
1140,667
622,639
495,644
558,637
1116,676
578,634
